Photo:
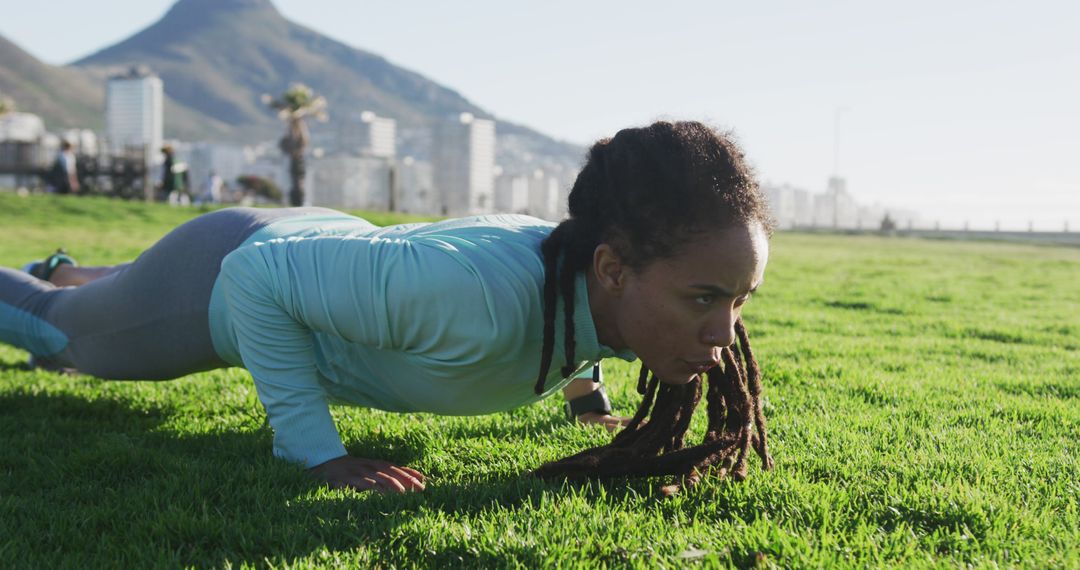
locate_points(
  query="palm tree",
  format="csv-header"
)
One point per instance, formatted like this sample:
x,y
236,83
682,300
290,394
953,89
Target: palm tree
x,y
294,106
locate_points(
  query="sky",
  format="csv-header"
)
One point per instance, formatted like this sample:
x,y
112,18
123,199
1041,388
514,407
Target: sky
x,y
965,111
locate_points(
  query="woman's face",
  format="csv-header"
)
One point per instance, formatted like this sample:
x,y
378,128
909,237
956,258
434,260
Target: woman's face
x,y
677,313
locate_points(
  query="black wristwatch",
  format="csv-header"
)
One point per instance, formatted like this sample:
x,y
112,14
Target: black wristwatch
x,y
595,401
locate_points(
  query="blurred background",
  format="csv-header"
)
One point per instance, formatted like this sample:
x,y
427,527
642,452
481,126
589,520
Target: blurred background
x,y
923,115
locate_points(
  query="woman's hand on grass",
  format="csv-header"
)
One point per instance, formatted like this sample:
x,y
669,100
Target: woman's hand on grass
x,y
362,474
610,422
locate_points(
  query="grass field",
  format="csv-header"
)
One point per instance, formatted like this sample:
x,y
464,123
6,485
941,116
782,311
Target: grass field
x,y
923,400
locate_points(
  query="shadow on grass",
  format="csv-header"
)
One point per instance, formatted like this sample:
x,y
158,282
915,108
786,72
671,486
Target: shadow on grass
x,y
97,482
863,306
9,366
1052,390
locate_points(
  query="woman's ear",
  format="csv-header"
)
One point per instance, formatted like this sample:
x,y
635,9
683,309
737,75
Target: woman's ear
x,y
609,268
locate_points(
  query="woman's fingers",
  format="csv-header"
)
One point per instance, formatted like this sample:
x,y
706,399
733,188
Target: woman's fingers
x,y
418,475
409,477
363,474
390,477
389,483
611,423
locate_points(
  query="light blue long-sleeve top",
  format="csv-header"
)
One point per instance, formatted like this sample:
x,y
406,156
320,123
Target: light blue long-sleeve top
x,y
443,317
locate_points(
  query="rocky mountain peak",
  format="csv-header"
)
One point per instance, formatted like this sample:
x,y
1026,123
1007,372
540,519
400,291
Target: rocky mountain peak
x,y
221,6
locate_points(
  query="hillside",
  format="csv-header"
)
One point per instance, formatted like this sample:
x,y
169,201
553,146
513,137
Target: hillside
x,y
68,97
65,97
220,56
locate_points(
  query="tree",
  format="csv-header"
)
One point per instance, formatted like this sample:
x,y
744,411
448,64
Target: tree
x,y
7,104
294,106
888,225
260,186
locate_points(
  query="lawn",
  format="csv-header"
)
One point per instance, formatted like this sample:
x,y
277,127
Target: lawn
x,y
923,400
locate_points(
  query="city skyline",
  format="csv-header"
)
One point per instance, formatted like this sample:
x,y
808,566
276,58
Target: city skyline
x,y
964,112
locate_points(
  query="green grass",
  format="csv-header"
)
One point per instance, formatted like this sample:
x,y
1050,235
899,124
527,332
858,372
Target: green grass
x,y
923,399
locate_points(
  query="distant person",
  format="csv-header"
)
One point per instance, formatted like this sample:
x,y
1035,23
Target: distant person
x,y
168,179
212,189
65,170
666,240
181,194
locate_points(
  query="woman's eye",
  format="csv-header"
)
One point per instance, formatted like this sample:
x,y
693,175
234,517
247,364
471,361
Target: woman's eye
x,y
705,299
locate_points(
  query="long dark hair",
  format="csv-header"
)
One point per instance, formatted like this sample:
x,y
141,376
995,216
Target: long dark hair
x,y
646,192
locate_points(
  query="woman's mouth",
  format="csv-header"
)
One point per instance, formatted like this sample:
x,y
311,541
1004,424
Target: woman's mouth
x,y
700,366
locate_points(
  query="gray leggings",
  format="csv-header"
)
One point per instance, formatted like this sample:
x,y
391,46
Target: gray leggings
x,y
149,319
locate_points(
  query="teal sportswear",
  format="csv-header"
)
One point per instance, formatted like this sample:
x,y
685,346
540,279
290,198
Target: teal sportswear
x,y
443,318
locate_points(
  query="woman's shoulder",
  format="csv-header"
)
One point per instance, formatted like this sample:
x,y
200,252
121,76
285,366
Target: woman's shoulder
x,y
475,240
506,225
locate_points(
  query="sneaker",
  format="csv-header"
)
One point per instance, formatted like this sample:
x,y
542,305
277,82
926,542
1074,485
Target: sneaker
x,y
36,363
44,268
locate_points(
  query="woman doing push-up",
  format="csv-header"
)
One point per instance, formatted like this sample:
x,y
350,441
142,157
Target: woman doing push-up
x,y
666,239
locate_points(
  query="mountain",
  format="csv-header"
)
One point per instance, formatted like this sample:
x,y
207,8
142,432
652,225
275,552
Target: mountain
x,y
69,97
35,87
218,57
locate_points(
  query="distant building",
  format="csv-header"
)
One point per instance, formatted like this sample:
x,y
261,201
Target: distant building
x,y
780,203
228,161
539,193
464,165
25,147
367,134
415,187
21,127
134,107
842,207
512,193
869,217
352,182
544,196
804,208
835,208
822,216
905,219
789,206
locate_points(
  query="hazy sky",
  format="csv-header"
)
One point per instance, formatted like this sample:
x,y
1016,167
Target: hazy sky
x,y
962,110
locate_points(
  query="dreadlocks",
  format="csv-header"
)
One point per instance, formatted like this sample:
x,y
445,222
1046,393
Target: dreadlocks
x,y
655,447
647,192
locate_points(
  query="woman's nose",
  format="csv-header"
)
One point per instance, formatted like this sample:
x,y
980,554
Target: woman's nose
x,y
719,331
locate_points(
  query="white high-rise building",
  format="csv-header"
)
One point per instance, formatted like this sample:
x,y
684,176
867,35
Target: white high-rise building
x,y
367,134
464,165
134,107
